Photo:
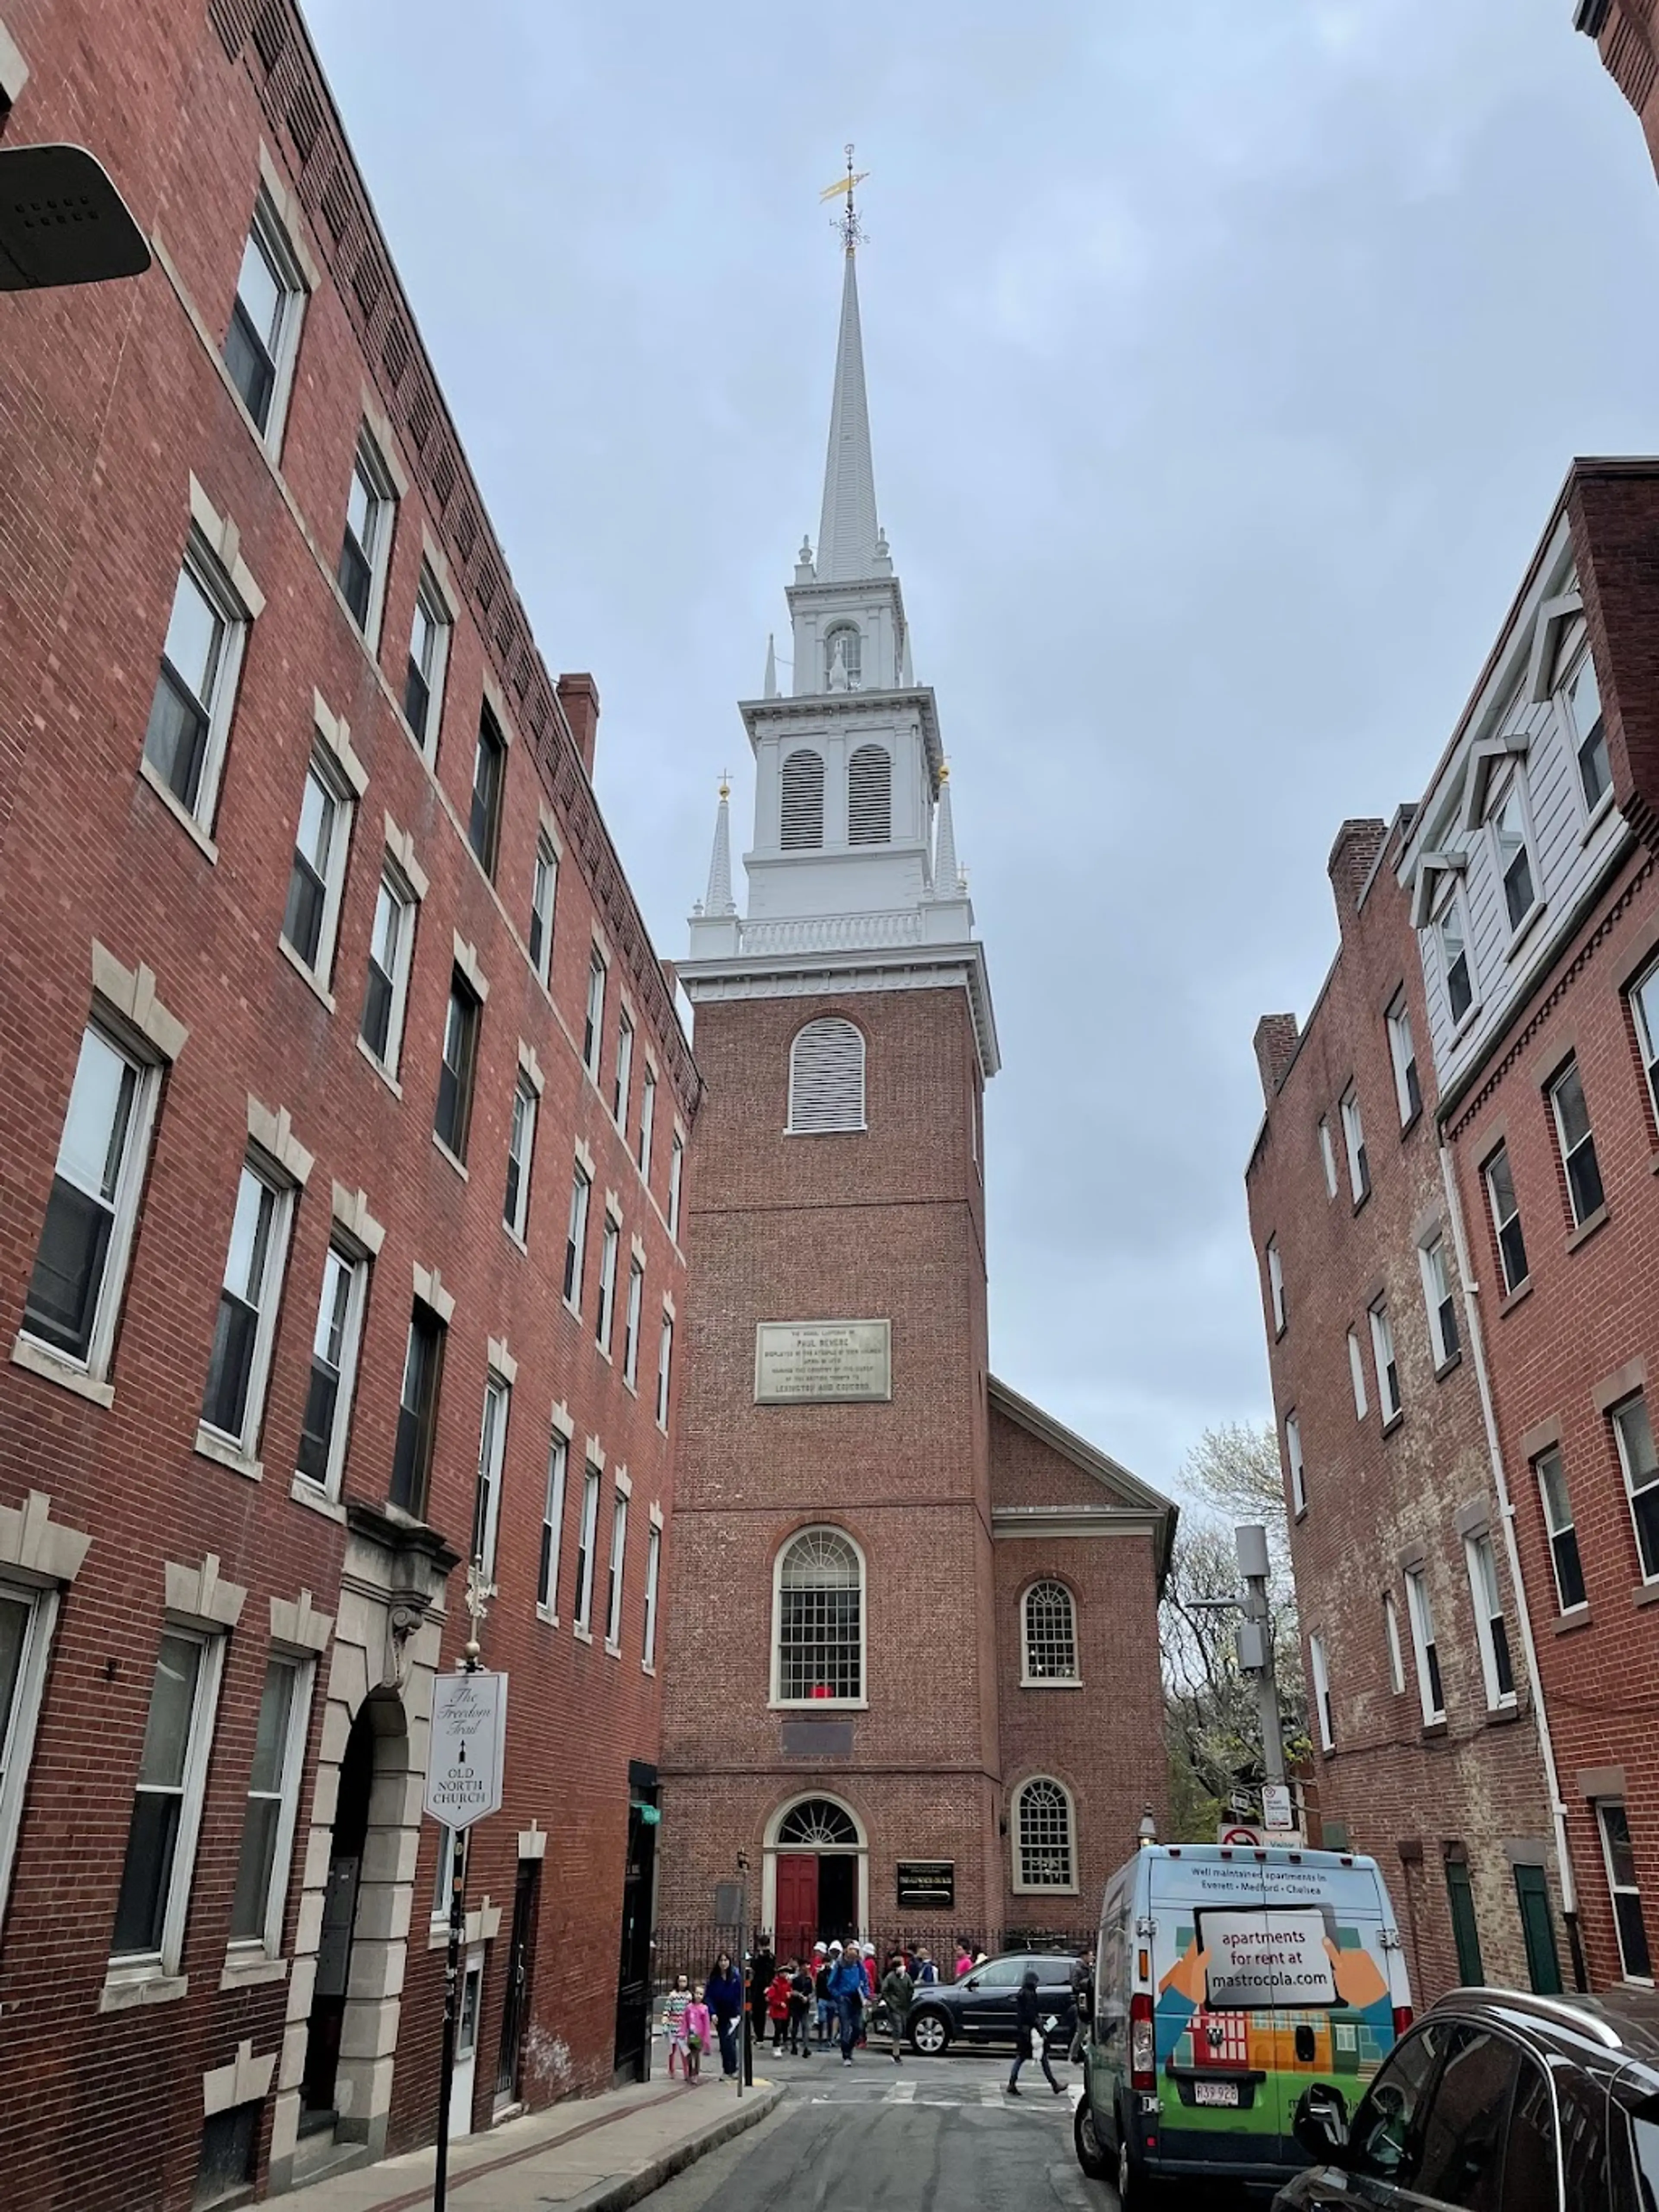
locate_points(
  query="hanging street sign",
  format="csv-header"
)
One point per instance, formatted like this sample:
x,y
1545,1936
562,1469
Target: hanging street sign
x,y
1277,1811
469,1744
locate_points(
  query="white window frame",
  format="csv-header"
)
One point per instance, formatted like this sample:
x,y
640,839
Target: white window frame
x,y
149,1966
647,1120
1647,1032
575,1237
614,1573
1321,1672
622,1076
1514,787
676,1177
1403,1056
1616,1889
777,1700
587,1535
401,893
1487,1599
520,1151
209,574
1028,1679
1501,1222
543,907
282,348
1632,1490
1021,1886
665,1369
343,800
1586,1143
18,1726
604,1318
1387,1361
1592,809
1298,1471
1353,1137
216,1442
1357,1373
269,1941
429,600
348,1255
547,1576
631,1322
1455,909
1438,1292
593,1016
653,1574
1276,1285
492,747
378,482
1554,1529
1391,1639
492,1465
1327,1155
1420,1611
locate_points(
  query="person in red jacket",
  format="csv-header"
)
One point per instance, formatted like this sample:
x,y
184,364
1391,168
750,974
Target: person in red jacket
x,y
777,2005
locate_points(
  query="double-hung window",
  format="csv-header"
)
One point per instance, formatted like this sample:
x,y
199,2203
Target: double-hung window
x,y
1357,1376
613,1598
619,1088
196,688
575,1237
1490,1630
593,1018
1506,1218
429,658
1293,1456
520,1143
273,1791
648,1119
1573,1135
391,945
652,1570
1588,732
1644,1010
81,1264
1321,1690
607,1283
1633,1433
664,1365
587,1529
1328,1156
492,1454
544,897
1402,1053
1451,930
417,1409
1425,1649
1391,1643
234,1401
1387,1367
1276,1283
166,1810
1619,1856
1439,1299
547,1570
1564,1561
327,1418
1512,844
455,1108
483,821
316,876
264,338
631,1323
27,1615
365,544
676,1172
1359,1171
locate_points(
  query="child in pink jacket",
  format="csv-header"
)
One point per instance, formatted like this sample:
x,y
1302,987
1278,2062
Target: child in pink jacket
x,y
697,2032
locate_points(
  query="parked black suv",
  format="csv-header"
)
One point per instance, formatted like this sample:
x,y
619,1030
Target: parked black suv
x,y
980,2008
1498,2102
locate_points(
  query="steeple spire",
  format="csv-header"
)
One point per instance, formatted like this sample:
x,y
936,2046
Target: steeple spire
x,y
770,680
846,528
720,900
947,876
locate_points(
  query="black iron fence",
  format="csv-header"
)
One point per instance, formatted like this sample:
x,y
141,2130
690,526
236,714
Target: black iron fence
x,y
692,1949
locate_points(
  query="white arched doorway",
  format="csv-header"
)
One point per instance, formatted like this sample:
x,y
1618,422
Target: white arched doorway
x,y
815,1872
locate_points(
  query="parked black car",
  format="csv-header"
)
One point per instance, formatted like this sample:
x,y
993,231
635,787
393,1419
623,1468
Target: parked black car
x,y
1498,2102
980,2008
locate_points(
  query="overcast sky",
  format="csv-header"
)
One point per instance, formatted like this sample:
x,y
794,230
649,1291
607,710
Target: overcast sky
x,y
1221,379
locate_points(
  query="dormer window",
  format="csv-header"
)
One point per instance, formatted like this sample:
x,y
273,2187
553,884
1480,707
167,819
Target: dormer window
x,y
870,796
843,657
801,816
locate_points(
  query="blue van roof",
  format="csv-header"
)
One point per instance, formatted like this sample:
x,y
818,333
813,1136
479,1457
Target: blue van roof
x,y
1277,1855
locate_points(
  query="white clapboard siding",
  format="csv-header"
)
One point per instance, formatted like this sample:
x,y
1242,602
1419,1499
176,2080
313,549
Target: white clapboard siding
x,y
826,1078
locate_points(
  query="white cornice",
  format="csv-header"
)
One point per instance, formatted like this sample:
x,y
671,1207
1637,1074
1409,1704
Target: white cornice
x,y
826,707
898,967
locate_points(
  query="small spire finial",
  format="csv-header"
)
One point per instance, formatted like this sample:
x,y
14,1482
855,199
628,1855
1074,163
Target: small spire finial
x,y
726,783
852,231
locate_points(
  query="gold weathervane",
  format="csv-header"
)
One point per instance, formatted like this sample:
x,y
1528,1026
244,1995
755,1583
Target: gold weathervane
x,y
852,231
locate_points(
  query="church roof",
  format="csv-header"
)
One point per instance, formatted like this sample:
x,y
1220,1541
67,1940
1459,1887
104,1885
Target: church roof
x,y
846,526
1127,1491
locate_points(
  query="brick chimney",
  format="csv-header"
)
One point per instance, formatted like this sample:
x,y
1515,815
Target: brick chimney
x,y
1353,858
580,697
1276,1038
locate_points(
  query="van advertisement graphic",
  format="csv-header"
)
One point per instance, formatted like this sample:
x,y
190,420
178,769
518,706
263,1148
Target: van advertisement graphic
x,y
1265,1959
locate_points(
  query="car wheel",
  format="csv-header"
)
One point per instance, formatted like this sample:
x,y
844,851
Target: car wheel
x,y
930,2033
1095,2161
1134,2189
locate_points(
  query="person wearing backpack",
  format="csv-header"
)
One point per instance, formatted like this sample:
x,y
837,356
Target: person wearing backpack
x,y
847,1990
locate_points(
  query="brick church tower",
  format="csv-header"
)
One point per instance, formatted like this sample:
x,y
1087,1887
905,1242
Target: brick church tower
x,y
840,1675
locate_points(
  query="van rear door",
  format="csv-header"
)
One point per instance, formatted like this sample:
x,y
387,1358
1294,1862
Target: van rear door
x,y
1216,2101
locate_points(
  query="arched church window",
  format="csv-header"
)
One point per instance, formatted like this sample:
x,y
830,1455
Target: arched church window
x,y
801,826
1050,1625
870,796
843,657
1042,1836
818,1825
819,1620
826,1077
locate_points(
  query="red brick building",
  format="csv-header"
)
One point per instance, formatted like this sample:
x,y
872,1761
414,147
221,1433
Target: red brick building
x,y
916,1663
1624,32
342,1123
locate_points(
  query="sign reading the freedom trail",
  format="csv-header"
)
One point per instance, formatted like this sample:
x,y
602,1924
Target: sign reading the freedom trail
x,y
823,1362
469,1741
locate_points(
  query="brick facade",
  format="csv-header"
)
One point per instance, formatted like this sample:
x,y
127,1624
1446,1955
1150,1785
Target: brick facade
x,y
119,1518
1623,30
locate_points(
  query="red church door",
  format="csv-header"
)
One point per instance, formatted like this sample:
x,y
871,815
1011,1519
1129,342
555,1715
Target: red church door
x,y
797,1903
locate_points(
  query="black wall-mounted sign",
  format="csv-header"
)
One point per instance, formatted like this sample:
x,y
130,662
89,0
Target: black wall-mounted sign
x,y
927,1885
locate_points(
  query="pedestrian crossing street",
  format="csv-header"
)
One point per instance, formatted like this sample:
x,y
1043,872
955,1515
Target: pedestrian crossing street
x,y
988,2096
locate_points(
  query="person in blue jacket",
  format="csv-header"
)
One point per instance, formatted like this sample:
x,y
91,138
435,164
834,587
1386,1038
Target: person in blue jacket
x,y
847,1994
723,1995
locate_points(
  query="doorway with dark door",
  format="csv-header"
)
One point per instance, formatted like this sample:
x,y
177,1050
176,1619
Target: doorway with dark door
x,y
515,2001
345,1862
638,1915
817,1900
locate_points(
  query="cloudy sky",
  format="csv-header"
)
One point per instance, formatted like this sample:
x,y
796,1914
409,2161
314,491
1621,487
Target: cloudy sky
x,y
1222,377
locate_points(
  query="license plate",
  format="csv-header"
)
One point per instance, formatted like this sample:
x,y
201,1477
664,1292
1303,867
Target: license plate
x,y
1215,2093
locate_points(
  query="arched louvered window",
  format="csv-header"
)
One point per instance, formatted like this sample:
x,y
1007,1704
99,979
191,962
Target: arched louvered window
x,y
819,1640
1050,1626
842,644
870,796
826,1078
1042,1836
801,824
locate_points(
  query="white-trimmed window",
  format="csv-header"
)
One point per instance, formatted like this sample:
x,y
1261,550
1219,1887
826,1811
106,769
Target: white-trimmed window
x,y
1043,1827
547,1571
624,1073
391,947
1402,1054
818,1643
1633,1432
233,1401
521,1146
676,1173
1388,1368
263,338
1577,1144
1451,930
1298,1473
593,1018
1565,1563
483,820
86,1239
443,1877
1276,1283
631,1323
587,1529
1356,1376
826,1077
273,1793
1391,1641
316,876
613,1596
800,824
1581,698
1049,1637
1321,1692
1506,1219
608,1244
544,899
1425,1650
845,635
1645,1011
575,1237
870,796
453,1116
366,543
27,1617
664,1365
653,1572
196,689
1491,1632
1438,1298
428,658
166,1812
327,1418
1619,1856
417,1408
1353,1133
492,1455
647,1120
1511,837
1327,1156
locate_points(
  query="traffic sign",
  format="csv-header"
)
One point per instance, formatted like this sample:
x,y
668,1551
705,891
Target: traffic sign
x,y
1241,1805
1235,1832
1277,1810
469,1743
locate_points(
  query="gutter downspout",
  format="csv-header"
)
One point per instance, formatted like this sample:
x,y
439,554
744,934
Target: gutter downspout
x,y
1506,1513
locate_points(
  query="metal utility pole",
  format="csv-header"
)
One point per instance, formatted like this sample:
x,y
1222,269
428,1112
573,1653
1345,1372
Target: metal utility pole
x,y
1255,1645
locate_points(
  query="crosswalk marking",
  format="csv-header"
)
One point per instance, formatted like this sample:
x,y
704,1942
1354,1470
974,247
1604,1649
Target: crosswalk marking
x,y
990,2095
901,2093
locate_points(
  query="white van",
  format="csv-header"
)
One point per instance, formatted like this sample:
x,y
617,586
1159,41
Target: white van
x,y
1227,1979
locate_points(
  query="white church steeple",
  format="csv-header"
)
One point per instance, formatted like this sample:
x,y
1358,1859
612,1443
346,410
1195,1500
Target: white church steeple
x,y
847,523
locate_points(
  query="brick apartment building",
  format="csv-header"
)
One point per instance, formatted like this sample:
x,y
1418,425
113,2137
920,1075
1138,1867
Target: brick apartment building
x,y
341,1136
1624,32
1423,1715
915,1675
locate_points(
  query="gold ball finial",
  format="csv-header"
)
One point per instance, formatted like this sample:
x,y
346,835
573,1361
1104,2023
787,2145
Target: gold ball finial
x,y
945,771
725,788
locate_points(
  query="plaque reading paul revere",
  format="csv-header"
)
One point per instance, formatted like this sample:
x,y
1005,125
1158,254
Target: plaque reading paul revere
x,y
826,1363
927,1885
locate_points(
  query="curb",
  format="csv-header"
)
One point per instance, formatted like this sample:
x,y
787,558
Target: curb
x,y
617,2196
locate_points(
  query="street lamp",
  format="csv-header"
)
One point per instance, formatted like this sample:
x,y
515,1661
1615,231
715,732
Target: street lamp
x,y
62,221
1147,1831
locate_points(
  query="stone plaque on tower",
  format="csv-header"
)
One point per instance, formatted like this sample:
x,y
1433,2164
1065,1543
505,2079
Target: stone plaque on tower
x,y
823,1362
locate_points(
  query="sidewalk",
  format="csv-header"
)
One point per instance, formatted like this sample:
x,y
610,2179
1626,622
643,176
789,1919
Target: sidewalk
x,y
592,2154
